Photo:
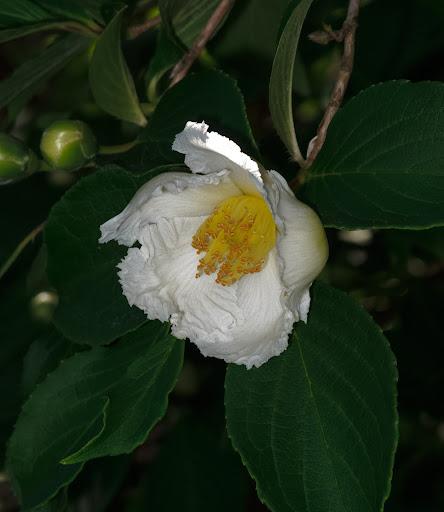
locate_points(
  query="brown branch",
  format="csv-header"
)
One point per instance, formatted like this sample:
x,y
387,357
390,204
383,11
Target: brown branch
x,y
327,35
347,34
183,66
137,30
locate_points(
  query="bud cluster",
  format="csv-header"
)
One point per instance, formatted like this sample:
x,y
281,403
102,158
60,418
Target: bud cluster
x,y
65,146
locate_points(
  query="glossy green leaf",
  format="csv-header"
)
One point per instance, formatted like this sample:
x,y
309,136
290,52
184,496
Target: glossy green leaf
x,y
281,80
92,308
210,96
111,82
29,76
185,19
317,425
381,165
100,402
196,470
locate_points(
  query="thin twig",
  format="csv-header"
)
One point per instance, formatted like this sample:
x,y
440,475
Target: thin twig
x,y
183,66
20,247
347,34
137,30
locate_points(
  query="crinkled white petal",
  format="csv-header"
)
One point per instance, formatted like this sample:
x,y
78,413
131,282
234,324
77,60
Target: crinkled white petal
x,y
173,194
268,321
249,321
245,323
159,278
209,152
302,245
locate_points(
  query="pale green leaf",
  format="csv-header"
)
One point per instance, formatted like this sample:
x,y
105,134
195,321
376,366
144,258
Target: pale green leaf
x,y
281,80
111,82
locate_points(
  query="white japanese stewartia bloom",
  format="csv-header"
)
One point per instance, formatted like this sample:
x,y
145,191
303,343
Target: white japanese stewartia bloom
x,y
227,254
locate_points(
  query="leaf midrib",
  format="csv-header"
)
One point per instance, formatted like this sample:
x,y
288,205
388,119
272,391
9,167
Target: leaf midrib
x,y
324,439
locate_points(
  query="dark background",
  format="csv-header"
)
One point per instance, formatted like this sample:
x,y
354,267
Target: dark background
x,y
396,275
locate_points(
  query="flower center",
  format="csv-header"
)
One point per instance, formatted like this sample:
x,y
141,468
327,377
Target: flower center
x,y
236,237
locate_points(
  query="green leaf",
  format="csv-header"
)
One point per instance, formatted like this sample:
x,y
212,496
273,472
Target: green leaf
x,y
19,12
281,80
317,425
10,34
98,483
380,59
92,308
210,96
17,331
185,19
381,164
27,462
17,222
165,57
196,470
239,36
100,402
43,356
28,77
111,82
14,13
57,504
74,10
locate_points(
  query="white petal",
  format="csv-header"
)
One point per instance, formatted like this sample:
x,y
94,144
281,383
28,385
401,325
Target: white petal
x,y
265,326
160,279
174,194
208,152
141,286
245,323
302,246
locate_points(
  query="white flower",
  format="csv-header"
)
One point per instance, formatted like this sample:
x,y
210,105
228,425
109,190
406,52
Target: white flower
x,y
226,254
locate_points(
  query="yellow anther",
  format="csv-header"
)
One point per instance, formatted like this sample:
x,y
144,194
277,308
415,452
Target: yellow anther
x,y
236,237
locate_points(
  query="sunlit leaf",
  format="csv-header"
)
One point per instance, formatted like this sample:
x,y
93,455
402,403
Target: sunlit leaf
x,y
281,80
111,82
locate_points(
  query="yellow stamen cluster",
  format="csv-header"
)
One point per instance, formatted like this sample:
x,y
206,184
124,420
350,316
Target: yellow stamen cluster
x,y
236,237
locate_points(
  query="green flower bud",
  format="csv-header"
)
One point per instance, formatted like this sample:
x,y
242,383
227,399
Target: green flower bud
x,y
68,145
16,159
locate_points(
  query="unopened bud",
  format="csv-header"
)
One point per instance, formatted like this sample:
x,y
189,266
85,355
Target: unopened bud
x,y
16,159
68,145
